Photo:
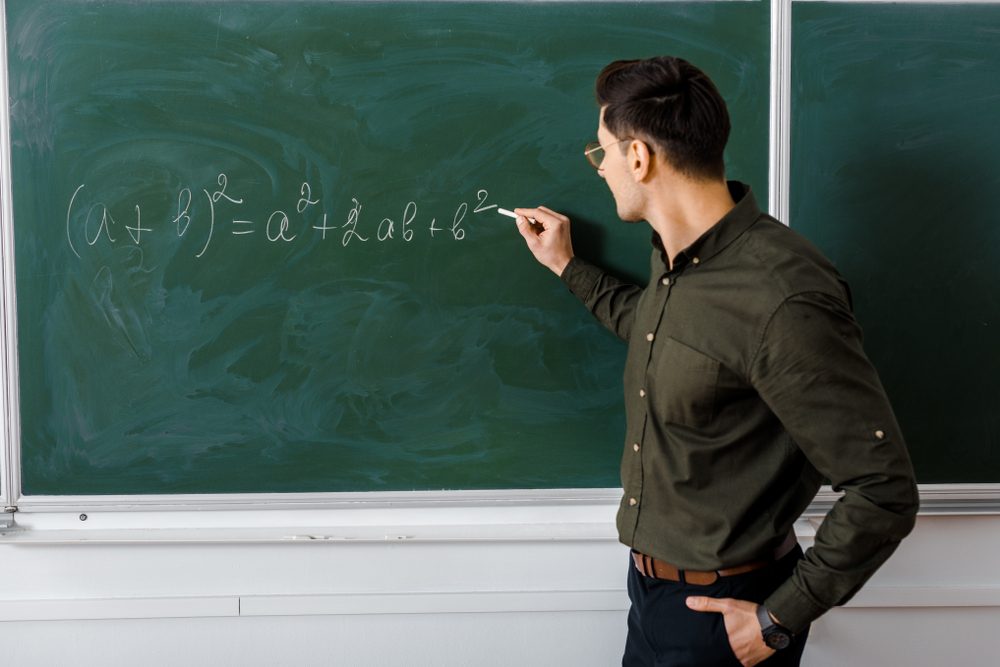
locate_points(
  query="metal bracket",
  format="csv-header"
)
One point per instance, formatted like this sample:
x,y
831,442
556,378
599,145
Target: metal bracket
x,y
7,523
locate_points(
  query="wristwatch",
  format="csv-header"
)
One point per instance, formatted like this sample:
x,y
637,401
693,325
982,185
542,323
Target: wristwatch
x,y
775,636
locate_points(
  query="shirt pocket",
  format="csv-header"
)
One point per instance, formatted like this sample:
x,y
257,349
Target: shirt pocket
x,y
685,382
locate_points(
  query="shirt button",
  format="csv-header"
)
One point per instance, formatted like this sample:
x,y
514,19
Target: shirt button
x,y
642,393
695,260
635,446
633,502
665,281
650,337
879,434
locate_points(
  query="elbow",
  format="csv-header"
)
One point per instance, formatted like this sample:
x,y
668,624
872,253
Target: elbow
x,y
905,506
893,503
909,501
912,506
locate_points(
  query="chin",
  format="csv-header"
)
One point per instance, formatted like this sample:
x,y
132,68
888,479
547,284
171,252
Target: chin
x,y
630,217
628,207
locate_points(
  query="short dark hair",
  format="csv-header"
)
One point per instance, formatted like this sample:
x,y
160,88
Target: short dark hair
x,y
671,103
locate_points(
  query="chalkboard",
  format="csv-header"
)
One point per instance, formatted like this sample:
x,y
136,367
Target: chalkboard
x,y
257,247
895,174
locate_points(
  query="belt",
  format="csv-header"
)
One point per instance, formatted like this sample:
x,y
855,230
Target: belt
x,y
658,569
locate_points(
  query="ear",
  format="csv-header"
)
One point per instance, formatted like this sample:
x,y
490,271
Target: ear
x,y
640,160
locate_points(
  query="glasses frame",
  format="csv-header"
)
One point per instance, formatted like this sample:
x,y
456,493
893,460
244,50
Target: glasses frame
x,y
593,147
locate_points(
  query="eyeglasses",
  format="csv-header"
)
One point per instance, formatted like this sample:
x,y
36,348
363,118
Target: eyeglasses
x,y
594,152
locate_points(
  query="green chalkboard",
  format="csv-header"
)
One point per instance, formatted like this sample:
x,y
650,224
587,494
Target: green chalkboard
x,y
895,174
255,248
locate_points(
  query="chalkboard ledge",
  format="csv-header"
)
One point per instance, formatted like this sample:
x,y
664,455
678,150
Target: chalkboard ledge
x,y
510,515
462,516
375,500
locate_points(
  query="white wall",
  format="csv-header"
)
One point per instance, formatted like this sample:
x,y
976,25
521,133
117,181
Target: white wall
x,y
439,598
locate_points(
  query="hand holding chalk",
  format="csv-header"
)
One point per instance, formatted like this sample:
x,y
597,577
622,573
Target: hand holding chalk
x,y
547,237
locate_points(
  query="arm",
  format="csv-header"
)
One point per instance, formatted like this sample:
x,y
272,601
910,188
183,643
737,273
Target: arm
x,y
813,373
612,301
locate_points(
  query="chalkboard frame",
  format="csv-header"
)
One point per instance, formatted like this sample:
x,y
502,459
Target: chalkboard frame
x,y
9,422
945,498
750,68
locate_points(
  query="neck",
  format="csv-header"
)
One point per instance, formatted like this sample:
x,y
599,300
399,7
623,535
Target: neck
x,y
682,210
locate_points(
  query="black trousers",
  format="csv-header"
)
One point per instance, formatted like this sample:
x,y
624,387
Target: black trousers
x,y
664,632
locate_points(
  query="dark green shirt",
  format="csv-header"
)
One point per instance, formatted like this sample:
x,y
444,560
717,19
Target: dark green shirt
x,y
745,384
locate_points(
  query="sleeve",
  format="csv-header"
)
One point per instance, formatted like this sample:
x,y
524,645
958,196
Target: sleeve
x,y
812,372
612,301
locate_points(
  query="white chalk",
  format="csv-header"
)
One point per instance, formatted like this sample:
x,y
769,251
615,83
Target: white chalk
x,y
511,214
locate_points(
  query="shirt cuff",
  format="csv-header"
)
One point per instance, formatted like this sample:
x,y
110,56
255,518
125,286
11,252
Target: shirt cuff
x,y
792,608
581,277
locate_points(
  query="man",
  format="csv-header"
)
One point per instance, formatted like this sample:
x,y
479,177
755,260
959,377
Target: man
x,y
745,385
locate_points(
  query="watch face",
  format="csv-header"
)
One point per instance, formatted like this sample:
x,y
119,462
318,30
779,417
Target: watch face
x,y
777,640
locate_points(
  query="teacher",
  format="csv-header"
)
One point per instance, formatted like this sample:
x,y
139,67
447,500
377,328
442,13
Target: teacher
x,y
746,385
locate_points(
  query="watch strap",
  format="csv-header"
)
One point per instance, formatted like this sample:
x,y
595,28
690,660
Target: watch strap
x,y
775,636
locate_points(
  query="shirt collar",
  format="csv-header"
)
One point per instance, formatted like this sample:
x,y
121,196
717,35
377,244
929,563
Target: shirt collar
x,y
725,231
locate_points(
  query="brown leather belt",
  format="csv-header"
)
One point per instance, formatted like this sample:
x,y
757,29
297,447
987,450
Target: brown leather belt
x,y
658,569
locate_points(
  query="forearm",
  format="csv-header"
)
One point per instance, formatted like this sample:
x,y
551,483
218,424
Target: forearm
x,y
854,540
612,301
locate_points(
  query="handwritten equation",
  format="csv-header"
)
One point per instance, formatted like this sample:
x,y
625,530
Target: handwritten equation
x,y
96,224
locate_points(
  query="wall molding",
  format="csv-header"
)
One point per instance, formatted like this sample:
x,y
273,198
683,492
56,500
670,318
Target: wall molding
x,y
459,602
